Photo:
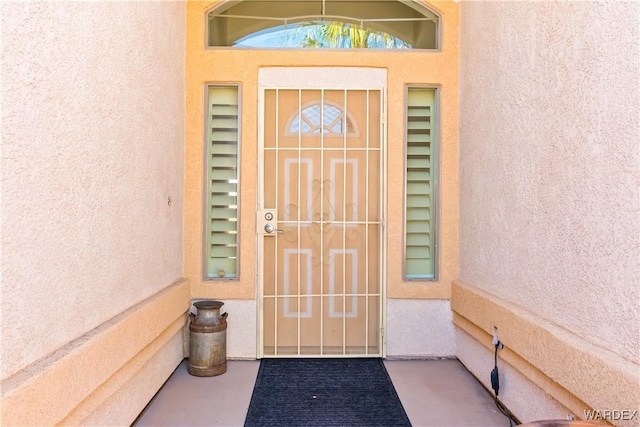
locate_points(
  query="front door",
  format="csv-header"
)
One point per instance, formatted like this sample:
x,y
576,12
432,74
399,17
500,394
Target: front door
x,y
320,222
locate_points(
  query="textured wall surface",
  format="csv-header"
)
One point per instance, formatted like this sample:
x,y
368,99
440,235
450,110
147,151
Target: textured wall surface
x,y
535,403
550,162
92,148
558,363
93,375
419,328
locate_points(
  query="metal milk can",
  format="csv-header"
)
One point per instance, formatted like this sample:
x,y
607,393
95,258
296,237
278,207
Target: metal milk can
x,y
208,340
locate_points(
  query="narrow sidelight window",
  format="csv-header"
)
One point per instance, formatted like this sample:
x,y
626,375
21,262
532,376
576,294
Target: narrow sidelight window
x,y
420,185
222,175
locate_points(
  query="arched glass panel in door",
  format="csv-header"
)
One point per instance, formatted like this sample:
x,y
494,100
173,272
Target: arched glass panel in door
x,y
324,118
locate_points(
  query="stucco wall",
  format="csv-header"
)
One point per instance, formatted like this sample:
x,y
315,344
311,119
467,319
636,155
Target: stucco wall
x,y
550,165
92,149
418,329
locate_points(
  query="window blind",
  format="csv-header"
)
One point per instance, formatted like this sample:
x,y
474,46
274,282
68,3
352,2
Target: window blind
x,y
419,175
222,183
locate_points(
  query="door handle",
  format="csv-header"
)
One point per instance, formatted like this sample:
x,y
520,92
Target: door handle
x,y
269,228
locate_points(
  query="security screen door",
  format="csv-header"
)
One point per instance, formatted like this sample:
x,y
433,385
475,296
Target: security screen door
x,y
320,222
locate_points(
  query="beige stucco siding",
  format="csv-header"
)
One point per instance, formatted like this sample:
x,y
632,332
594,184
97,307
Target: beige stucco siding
x,y
550,162
92,150
549,172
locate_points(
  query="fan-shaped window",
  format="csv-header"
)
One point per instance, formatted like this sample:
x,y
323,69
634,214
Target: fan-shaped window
x,y
400,24
316,119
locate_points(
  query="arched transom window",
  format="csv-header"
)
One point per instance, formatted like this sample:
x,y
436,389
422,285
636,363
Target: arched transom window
x,y
377,24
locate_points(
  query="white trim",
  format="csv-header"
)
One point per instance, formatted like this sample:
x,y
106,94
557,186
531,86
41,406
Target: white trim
x,y
322,77
354,186
285,278
287,196
354,283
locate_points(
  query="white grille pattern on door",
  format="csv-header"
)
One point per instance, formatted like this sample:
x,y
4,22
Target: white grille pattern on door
x,y
321,182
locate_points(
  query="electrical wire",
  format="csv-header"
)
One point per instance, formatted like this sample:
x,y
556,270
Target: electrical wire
x,y
500,405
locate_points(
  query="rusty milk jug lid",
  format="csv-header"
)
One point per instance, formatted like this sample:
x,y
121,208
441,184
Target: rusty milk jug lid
x,y
208,304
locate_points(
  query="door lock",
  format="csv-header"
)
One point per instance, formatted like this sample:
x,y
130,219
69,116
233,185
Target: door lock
x,y
269,228
267,221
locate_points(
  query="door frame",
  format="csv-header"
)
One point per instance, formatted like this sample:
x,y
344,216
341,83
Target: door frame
x,y
350,78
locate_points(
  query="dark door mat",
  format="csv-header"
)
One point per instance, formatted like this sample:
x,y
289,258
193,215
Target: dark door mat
x,y
324,392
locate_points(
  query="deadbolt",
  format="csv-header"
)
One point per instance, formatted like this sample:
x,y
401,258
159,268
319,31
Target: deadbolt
x,y
268,216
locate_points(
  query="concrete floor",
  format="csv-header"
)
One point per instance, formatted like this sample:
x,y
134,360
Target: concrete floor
x,y
433,392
